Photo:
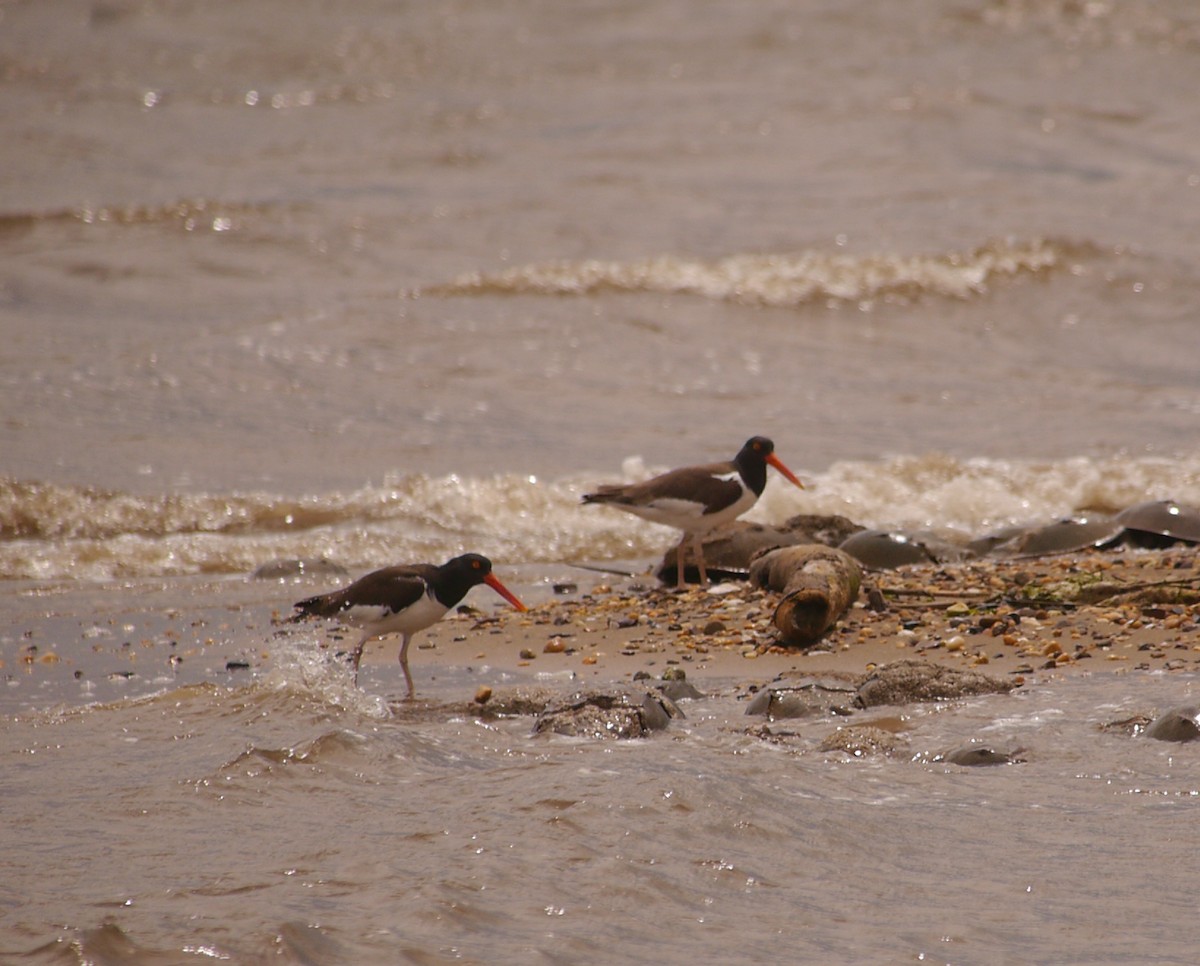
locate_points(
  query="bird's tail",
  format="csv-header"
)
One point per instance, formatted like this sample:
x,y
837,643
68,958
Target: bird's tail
x,y
318,606
606,494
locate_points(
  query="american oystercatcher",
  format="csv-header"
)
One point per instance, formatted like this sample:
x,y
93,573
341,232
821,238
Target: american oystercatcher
x,y
697,499
403,600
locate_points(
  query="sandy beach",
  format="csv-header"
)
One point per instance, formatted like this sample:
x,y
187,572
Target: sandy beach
x,y
1099,612
1016,618
379,283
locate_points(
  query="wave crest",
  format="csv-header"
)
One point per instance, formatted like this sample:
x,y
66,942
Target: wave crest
x,y
51,532
779,280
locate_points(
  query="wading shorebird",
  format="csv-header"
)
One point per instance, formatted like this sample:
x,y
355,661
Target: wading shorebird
x,y
698,499
403,600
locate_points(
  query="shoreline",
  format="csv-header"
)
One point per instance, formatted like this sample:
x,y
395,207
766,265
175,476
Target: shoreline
x,y
71,645
997,616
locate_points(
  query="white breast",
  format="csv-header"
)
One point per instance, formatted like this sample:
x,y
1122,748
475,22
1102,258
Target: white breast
x,y
426,611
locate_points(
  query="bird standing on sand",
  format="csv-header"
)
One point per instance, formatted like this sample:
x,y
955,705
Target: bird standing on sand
x,y
403,600
698,499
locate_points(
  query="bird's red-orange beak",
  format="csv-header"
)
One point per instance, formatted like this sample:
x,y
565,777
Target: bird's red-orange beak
x,y
494,582
776,462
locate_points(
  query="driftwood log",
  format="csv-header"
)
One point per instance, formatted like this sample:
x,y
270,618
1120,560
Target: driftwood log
x,y
818,584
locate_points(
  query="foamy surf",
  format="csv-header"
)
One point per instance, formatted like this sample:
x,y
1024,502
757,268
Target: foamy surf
x,y
783,279
55,532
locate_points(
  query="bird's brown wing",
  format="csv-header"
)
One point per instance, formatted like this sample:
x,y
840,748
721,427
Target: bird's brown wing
x,y
393,587
714,487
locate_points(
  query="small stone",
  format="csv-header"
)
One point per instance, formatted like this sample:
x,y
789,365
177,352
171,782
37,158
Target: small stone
x,y
527,654
483,695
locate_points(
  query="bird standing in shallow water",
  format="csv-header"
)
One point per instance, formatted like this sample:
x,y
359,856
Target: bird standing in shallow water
x,y
403,600
698,499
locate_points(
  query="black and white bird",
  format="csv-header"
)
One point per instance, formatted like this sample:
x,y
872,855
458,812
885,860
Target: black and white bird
x,y
403,600
698,499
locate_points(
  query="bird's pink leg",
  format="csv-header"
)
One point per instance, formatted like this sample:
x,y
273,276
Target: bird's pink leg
x,y
698,546
404,666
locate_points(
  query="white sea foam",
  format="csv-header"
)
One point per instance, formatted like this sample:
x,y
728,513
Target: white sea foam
x,y
780,279
522,519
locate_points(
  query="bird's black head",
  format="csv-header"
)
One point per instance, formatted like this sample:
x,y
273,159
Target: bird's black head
x,y
471,568
756,448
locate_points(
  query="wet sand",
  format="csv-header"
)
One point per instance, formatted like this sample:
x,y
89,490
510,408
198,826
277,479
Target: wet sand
x,y
1006,618
1021,619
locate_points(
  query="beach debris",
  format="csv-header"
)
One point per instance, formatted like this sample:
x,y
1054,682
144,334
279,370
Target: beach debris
x,y
912,680
1131,727
1159,523
831,529
1089,588
862,741
808,699
728,551
608,715
519,702
819,584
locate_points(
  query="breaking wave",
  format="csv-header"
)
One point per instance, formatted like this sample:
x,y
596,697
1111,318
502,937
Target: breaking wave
x,y
49,531
780,280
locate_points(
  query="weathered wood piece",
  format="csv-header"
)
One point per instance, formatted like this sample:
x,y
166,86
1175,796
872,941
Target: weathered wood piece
x,y
818,584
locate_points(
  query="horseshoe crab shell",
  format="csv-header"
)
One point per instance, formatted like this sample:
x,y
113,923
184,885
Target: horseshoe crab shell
x,y
1065,536
880,550
1177,724
1161,522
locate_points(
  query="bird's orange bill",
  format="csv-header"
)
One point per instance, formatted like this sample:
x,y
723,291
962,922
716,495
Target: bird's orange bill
x,y
776,462
494,582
